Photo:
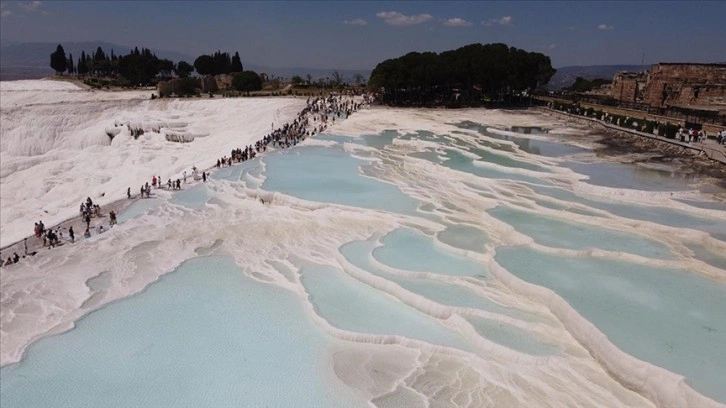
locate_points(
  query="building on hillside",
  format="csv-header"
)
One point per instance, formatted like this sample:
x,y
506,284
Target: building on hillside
x,y
628,86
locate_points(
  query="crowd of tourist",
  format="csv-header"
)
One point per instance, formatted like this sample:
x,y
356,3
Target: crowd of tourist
x,y
690,135
315,118
721,137
654,127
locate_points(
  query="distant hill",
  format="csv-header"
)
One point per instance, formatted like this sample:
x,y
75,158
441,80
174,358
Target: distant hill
x,y
32,60
566,76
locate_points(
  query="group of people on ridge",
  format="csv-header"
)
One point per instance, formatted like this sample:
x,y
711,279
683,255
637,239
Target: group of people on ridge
x,y
321,110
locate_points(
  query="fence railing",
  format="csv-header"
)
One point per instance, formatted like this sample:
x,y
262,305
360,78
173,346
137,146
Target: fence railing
x,y
688,115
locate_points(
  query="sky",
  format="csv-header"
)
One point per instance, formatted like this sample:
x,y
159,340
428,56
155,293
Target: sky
x,y
359,35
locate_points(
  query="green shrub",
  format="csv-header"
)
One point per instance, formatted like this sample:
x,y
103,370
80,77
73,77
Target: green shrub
x,y
669,130
649,126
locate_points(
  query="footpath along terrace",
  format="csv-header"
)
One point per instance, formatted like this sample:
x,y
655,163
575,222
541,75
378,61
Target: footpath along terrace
x,y
708,146
315,118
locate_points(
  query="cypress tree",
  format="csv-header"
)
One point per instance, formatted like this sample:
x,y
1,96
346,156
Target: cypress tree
x,y
100,56
237,63
58,60
82,64
71,68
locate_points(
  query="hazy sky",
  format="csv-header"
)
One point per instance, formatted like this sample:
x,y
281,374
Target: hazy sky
x,y
358,35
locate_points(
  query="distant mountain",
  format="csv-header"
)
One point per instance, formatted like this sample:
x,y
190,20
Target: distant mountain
x,y
32,60
566,76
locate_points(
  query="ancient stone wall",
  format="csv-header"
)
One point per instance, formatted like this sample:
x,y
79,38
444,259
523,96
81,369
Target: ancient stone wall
x,y
685,84
626,86
164,88
209,84
224,81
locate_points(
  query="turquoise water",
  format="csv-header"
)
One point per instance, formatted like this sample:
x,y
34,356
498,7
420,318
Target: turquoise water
x,y
333,176
407,249
248,170
138,208
559,233
709,255
358,253
632,177
193,198
351,305
704,204
671,318
509,336
531,146
465,237
548,149
206,335
659,215
458,161
377,141
202,336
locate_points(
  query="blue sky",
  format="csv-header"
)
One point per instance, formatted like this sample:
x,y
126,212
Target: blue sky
x,y
358,35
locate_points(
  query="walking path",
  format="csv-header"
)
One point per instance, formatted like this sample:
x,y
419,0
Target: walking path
x,y
709,147
319,109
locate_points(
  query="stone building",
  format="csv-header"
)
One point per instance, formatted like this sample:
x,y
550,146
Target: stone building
x,y
224,81
684,85
209,84
165,88
628,86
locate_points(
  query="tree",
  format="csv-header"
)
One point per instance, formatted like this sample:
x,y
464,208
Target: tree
x,y
309,78
58,60
246,81
218,63
222,63
140,67
296,80
165,67
337,78
465,76
584,85
358,78
204,64
183,69
236,63
71,69
82,67
187,86
99,55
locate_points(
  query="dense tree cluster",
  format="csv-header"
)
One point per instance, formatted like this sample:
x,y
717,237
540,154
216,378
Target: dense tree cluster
x,y
136,68
465,76
218,63
140,67
183,69
143,67
583,85
187,86
246,81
